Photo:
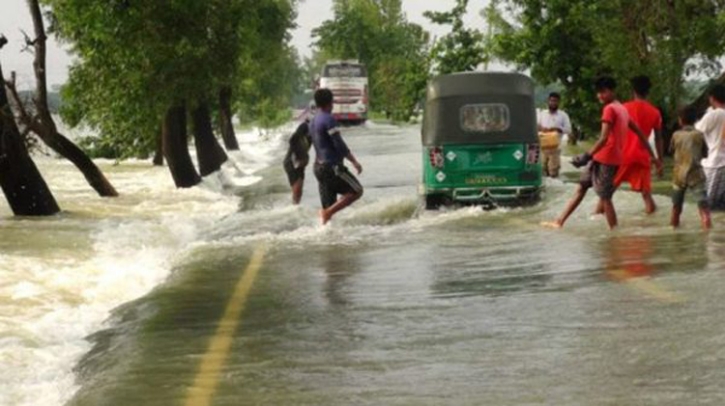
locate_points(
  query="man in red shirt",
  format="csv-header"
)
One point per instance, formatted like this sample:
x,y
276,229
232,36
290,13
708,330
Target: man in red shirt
x,y
636,162
605,157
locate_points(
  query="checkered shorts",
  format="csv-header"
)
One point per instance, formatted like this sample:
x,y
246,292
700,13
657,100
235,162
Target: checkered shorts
x,y
601,178
716,187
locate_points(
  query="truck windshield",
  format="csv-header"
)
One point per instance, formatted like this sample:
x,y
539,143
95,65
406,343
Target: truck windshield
x,y
485,118
344,71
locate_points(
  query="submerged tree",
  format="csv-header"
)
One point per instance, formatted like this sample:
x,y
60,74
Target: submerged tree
x,y
141,64
21,182
41,122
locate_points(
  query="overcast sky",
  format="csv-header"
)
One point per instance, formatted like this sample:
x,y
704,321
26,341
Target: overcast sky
x,y
14,17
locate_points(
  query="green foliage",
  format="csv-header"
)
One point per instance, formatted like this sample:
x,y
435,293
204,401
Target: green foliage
x,y
394,50
135,59
463,49
270,74
571,42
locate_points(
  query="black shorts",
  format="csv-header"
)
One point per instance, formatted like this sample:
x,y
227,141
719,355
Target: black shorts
x,y
335,180
293,174
601,178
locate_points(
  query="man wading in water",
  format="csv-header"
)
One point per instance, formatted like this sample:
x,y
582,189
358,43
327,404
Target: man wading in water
x,y
298,157
333,177
636,161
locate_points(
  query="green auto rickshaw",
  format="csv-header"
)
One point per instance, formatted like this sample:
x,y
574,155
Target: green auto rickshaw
x,y
480,141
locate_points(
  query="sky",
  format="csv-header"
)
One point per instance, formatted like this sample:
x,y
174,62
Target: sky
x,y
14,17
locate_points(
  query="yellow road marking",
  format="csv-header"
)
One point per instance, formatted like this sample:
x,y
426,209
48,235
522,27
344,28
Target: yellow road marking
x,y
212,364
647,286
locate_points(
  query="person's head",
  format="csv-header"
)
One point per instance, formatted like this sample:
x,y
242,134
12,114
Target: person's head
x,y
641,86
717,95
554,99
687,115
605,86
324,99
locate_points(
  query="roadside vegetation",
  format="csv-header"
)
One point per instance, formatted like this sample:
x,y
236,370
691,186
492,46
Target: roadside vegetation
x,y
148,77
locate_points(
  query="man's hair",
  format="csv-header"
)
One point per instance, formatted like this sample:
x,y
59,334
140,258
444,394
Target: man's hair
x,y
718,92
641,85
555,95
688,115
605,83
323,97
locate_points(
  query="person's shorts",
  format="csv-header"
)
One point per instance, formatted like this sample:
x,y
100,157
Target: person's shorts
x,y
601,178
293,174
639,177
716,188
335,180
697,192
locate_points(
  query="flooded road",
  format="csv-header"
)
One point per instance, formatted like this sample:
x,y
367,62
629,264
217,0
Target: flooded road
x,y
228,295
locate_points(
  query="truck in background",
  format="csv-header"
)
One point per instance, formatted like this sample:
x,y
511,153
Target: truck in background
x,y
348,81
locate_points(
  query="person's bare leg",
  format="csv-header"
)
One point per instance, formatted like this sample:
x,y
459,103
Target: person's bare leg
x,y
599,209
705,218
570,208
297,191
675,217
346,200
610,213
649,203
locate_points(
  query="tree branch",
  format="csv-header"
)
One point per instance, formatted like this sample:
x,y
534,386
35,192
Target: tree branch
x,y
41,91
29,44
31,123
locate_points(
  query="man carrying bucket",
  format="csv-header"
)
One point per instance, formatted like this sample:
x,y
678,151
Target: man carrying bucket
x,y
553,124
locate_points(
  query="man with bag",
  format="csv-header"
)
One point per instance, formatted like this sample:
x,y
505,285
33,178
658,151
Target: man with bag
x,y
553,125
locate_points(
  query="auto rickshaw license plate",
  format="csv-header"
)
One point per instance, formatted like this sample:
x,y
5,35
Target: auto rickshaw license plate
x,y
486,180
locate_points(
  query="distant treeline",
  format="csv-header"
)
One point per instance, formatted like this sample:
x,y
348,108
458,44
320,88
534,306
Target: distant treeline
x,y
54,100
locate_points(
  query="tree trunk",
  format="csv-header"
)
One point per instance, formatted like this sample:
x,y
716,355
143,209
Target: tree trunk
x,y
21,182
159,154
225,119
209,153
45,127
176,148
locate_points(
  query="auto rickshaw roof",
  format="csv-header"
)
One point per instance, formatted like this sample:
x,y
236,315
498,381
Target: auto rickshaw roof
x,y
480,83
450,97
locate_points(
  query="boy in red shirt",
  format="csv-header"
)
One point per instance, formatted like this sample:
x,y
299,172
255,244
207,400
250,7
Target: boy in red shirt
x,y
604,159
636,163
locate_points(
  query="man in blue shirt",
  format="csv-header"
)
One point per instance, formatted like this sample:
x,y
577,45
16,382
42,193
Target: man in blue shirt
x,y
333,177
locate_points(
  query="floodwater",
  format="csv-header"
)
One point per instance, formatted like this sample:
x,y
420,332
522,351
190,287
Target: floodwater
x,y
227,295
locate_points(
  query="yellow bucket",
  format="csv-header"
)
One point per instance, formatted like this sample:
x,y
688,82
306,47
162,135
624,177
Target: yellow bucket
x,y
549,140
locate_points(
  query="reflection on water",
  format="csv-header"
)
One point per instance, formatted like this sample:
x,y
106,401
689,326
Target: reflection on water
x,y
340,266
629,257
639,256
